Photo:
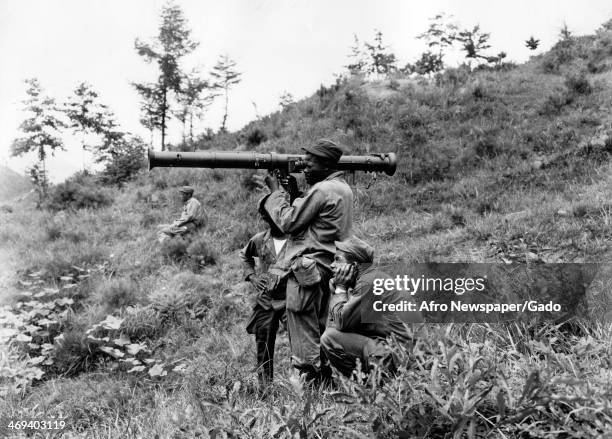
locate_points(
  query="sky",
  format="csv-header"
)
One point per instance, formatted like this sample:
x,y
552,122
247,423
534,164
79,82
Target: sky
x,y
279,46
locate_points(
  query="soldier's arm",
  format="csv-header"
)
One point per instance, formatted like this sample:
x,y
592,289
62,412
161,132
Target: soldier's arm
x,y
185,217
247,256
294,217
345,311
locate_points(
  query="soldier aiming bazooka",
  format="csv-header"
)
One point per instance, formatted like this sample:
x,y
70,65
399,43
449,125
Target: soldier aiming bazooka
x,y
313,220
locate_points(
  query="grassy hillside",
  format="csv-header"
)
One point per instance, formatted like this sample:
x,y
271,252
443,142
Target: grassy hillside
x,y
12,184
127,338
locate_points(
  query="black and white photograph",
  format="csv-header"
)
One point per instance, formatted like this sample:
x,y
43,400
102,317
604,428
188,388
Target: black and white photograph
x,y
292,219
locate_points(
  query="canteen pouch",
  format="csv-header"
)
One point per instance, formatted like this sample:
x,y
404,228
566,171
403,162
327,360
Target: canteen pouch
x,y
306,271
303,286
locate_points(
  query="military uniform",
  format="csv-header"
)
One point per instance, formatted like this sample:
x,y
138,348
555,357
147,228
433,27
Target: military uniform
x,y
269,303
192,217
356,332
313,222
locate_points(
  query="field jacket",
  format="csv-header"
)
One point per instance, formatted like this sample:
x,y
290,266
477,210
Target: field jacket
x,y
324,214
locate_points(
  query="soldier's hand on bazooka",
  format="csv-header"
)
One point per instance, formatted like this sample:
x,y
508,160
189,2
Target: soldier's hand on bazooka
x,y
289,183
271,182
259,181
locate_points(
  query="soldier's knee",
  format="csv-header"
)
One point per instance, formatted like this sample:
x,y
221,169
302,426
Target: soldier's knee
x,y
329,338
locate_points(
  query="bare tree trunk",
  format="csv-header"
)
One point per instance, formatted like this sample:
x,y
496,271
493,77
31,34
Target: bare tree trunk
x,y
191,131
163,124
225,115
83,150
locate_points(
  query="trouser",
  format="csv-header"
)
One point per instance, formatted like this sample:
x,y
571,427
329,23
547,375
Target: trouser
x,y
167,231
307,309
343,349
264,325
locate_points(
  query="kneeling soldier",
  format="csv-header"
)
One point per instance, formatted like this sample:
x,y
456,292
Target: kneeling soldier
x,y
352,338
191,218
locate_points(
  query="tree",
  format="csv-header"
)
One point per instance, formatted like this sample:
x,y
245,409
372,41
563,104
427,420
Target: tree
x,y
532,43
150,111
359,58
196,95
381,61
225,76
474,42
442,33
428,63
41,132
86,115
173,42
286,100
124,158
565,34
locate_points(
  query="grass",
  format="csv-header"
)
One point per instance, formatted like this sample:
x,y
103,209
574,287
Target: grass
x,y
494,164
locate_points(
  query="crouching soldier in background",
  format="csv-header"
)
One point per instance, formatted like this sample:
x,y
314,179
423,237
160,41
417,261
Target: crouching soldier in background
x,y
191,219
270,286
357,333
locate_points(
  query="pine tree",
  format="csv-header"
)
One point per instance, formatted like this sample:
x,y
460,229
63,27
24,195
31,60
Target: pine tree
x,y
358,57
225,76
173,42
381,61
532,43
41,132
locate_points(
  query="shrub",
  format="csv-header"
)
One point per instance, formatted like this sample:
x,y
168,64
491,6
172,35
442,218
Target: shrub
x,y
160,184
151,217
394,84
79,192
578,83
117,293
413,121
486,147
178,303
202,252
174,250
457,216
555,102
453,77
255,137
73,355
144,323
53,231
561,54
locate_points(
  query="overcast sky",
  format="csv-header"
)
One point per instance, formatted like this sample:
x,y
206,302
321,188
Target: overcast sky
x,y
279,46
